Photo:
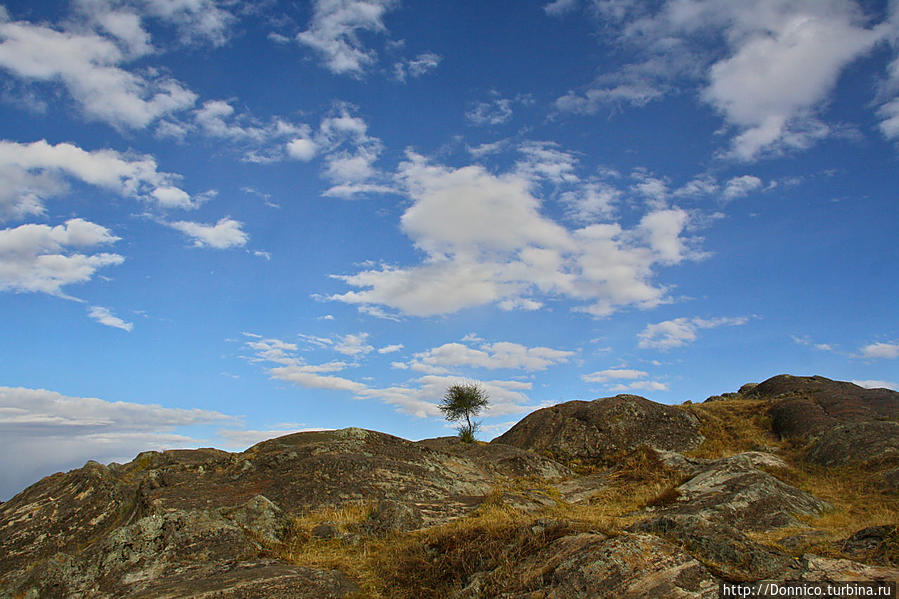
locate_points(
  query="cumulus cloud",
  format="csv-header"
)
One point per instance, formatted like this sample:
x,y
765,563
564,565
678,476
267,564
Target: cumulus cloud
x,y
89,66
639,386
880,350
48,432
334,32
486,241
783,59
492,356
40,258
107,318
31,173
681,331
224,234
738,187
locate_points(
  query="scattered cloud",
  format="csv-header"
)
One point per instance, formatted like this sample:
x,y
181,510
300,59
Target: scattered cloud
x,y
105,317
353,345
40,258
224,234
782,61
416,67
681,331
880,350
604,376
31,173
639,386
494,112
486,241
557,8
809,343
334,32
418,396
500,355
89,66
389,349
738,187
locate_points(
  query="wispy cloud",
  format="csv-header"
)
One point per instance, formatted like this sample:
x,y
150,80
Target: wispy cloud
x,y
107,318
681,331
334,32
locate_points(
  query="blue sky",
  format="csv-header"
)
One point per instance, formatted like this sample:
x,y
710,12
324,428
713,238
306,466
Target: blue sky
x,y
221,221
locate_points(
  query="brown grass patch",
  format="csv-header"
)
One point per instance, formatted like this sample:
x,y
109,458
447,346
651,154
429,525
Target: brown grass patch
x,y
732,426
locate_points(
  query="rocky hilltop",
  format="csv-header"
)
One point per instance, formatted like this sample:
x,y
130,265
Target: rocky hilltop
x,y
793,478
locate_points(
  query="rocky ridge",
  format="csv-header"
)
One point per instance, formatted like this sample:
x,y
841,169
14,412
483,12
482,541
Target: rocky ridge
x,y
619,497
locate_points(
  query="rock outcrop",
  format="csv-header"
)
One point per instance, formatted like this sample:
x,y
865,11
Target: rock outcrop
x,y
601,430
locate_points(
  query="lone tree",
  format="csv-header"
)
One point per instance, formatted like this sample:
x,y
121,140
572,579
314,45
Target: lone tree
x,y
464,401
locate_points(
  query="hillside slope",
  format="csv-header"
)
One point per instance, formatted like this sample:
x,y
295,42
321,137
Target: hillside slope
x,y
793,478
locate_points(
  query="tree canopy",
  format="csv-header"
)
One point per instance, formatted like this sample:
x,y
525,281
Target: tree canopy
x,y
464,401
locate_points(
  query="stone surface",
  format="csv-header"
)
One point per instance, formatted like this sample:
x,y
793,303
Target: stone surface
x,y
807,406
502,459
598,431
734,491
856,442
631,566
736,557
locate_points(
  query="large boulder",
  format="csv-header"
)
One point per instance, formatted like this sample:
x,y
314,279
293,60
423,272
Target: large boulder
x,y
604,429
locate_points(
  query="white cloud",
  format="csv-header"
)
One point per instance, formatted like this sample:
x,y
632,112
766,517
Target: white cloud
x,y
389,349
105,317
226,233
416,67
681,331
880,350
591,202
875,384
545,161
418,397
494,112
492,356
349,154
807,342
639,386
353,345
334,29
486,241
738,187
88,65
557,8
603,376
48,431
30,173
783,60
302,148
40,258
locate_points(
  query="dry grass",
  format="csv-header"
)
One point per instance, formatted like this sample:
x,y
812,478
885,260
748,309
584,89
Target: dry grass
x,y
497,539
732,426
